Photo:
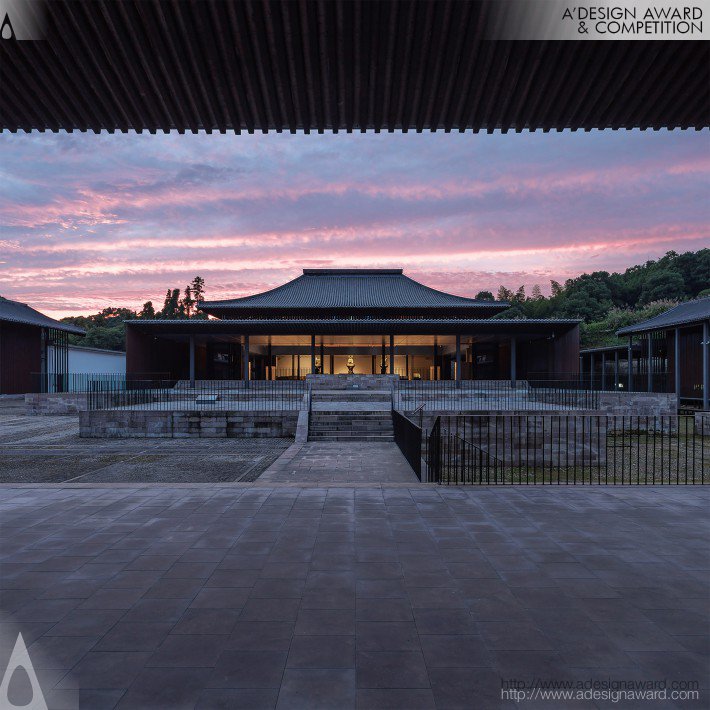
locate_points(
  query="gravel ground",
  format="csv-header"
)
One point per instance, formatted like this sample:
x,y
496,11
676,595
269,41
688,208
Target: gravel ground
x,y
49,450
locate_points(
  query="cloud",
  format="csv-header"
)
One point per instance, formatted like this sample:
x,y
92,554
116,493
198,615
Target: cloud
x,y
89,220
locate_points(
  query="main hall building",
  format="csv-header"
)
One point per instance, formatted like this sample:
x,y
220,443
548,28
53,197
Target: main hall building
x,y
363,321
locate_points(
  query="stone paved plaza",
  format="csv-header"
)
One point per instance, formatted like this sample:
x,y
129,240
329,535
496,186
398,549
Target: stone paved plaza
x,y
340,462
246,596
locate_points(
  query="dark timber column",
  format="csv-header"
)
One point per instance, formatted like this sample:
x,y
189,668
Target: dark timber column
x,y
616,371
192,361
513,363
382,359
603,372
706,366
406,366
391,354
313,354
649,357
630,360
245,361
322,357
581,370
269,357
676,364
591,371
458,360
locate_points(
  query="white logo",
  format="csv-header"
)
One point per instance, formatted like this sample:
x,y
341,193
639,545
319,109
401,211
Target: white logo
x,y
20,658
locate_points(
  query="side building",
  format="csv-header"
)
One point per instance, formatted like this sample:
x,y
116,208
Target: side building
x,y
32,345
359,321
667,353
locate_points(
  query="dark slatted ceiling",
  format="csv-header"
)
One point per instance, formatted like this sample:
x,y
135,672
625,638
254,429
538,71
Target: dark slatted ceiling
x,y
333,65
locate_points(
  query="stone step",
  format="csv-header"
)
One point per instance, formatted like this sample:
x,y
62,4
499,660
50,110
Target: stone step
x,y
352,431
351,396
351,437
348,417
351,422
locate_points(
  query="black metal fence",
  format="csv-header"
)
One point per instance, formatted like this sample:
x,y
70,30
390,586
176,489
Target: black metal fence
x,y
492,395
166,395
607,380
568,449
82,382
408,437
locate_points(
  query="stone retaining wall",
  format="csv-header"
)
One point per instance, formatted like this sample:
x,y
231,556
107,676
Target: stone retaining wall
x,y
642,404
187,424
55,403
533,439
344,382
702,423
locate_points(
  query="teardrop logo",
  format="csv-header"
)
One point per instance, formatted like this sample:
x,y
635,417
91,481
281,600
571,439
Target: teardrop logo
x,y
20,663
6,31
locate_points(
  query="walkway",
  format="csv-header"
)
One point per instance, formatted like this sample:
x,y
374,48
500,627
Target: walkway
x,y
323,598
340,462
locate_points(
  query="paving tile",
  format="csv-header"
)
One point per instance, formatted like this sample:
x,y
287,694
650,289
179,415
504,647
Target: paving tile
x,y
513,636
107,598
387,636
270,610
99,698
174,589
237,699
60,652
103,669
188,651
165,688
384,610
436,598
318,622
281,588
134,636
455,651
86,622
157,610
462,689
45,610
207,621
381,588
190,570
444,621
322,652
395,699
248,669
317,690
261,636
391,669
220,598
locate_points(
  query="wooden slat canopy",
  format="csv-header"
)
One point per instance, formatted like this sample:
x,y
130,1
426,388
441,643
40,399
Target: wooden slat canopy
x,y
330,65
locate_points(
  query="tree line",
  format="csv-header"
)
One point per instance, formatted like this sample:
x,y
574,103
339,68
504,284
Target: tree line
x,y
603,301
106,329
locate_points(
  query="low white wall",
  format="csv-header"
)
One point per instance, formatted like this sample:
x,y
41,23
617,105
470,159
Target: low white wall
x,y
96,361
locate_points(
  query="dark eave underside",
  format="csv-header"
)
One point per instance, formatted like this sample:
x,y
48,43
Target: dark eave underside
x,y
354,327
159,65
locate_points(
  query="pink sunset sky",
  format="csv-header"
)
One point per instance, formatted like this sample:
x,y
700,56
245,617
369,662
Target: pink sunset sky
x,y
114,220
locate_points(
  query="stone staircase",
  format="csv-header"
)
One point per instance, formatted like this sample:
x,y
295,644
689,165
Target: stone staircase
x,y
350,415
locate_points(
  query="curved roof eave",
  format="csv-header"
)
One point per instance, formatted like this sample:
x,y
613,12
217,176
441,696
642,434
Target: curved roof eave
x,y
690,312
326,289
